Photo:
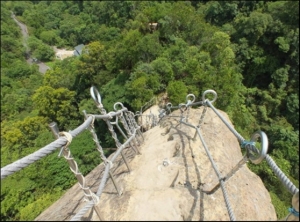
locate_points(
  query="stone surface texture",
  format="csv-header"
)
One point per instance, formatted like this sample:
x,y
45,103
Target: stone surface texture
x,y
173,178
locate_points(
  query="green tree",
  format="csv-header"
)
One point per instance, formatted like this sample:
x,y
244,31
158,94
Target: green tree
x,y
149,47
40,50
56,104
139,91
128,51
44,53
164,69
92,67
221,12
49,37
177,91
19,69
62,75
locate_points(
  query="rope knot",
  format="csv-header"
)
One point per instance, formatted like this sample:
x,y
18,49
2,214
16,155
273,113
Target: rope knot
x,y
69,140
92,123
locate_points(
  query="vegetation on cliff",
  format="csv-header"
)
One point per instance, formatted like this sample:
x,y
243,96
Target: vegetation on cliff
x,y
247,51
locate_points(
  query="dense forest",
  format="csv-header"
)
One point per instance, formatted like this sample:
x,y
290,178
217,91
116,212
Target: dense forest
x,y
247,51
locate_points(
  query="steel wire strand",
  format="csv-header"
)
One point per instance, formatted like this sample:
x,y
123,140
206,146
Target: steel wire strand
x,y
288,184
95,138
31,158
206,149
229,209
240,138
136,126
119,150
131,127
91,203
74,168
196,103
126,127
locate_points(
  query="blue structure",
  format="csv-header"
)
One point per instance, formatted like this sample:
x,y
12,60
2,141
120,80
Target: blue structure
x,y
78,50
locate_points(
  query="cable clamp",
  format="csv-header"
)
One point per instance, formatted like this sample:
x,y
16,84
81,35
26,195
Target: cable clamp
x,y
110,163
293,211
95,198
69,140
245,143
100,106
93,120
110,115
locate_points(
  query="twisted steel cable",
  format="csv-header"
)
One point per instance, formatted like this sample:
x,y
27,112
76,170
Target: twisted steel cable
x,y
31,158
27,160
225,195
240,138
131,127
91,203
287,183
127,129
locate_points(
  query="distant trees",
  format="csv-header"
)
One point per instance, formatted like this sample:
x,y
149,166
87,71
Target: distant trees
x,y
176,91
56,104
247,51
262,34
40,50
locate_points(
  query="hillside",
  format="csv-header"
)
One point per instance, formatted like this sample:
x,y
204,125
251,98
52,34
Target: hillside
x,y
171,178
247,51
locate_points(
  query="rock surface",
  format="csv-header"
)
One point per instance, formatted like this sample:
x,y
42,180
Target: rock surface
x,y
173,178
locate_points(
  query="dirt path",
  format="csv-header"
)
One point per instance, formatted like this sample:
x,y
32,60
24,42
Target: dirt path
x,y
42,66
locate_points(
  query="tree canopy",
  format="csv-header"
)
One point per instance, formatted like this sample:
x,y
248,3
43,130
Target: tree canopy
x,y
247,51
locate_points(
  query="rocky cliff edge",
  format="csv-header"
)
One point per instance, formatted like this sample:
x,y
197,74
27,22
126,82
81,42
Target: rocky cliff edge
x,y
173,179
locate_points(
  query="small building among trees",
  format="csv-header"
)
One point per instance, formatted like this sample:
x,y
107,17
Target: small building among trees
x,y
78,50
153,26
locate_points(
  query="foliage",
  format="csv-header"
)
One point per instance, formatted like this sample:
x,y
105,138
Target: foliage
x,y
177,91
40,50
279,206
247,51
55,104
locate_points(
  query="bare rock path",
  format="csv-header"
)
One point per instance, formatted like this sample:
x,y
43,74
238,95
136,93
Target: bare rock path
x,y
173,179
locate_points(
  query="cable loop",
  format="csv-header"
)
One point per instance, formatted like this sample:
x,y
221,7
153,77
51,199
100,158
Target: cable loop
x,y
169,105
256,159
190,101
118,103
210,91
97,97
182,107
95,198
109,115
